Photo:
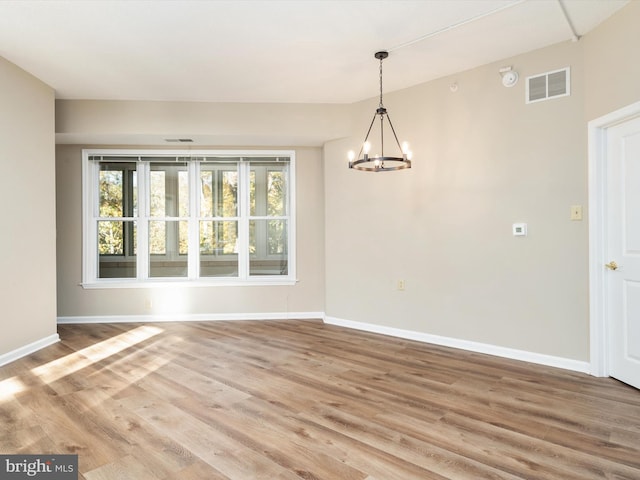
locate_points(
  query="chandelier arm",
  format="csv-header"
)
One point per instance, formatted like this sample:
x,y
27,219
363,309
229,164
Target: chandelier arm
x,y
367,136
382,135
394,132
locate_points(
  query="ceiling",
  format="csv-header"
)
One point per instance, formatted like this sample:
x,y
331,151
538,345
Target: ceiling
x,y
284,51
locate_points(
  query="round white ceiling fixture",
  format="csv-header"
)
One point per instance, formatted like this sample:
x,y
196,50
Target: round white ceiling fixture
x,y
510,78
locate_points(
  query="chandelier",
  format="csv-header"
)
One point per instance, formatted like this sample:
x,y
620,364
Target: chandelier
x,y
379,162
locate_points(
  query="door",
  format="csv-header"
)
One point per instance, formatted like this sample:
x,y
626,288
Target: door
x,y
622,240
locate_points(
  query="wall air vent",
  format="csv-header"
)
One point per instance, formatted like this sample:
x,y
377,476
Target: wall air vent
x,y
548,85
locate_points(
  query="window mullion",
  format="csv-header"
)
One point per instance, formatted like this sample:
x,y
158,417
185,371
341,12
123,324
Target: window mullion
x,y
291,216
91,189
143,221
193,254
261,211
243,219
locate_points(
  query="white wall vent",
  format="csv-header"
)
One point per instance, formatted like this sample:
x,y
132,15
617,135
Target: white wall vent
x,y
549,85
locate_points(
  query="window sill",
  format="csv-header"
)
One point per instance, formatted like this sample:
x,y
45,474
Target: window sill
x,y
185,283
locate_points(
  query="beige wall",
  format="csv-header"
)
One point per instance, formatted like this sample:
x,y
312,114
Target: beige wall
x,y
147,124
306,296
612,69
483,160
228,124
28,240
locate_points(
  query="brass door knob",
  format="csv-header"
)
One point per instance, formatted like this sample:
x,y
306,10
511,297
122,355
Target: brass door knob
x,y
611,265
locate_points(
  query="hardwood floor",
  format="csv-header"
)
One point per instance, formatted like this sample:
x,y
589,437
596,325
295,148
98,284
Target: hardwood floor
x,y
303,400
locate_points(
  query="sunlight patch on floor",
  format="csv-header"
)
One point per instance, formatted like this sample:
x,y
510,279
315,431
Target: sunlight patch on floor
x,y
56,369
10,387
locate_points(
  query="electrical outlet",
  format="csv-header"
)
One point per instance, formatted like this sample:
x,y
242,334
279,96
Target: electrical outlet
x,y
148,304
400,285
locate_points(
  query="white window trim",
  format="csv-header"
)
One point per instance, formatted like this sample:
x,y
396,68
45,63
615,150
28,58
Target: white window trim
x,y
90,279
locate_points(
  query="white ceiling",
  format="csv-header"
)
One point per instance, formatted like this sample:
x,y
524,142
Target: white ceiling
x,y
318,51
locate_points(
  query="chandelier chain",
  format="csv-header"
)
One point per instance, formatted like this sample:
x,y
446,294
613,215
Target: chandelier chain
x,y
381,83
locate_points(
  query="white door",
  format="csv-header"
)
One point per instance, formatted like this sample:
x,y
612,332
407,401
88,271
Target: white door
x,y
622,277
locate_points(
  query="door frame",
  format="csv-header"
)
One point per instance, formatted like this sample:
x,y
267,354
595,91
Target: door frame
x,y
598,292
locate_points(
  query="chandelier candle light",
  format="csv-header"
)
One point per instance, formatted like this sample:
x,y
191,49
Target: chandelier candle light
x,y
380,162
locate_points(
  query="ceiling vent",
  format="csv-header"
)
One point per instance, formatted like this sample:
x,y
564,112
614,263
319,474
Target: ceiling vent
x,y
548,85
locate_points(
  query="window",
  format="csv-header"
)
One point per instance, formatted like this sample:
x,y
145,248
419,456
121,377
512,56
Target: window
x,y
188,216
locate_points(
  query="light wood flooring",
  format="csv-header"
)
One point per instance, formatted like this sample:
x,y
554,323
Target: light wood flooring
x,y
295,399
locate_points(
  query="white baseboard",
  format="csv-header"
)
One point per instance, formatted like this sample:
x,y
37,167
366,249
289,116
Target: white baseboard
x,y
190,317
522,355
28,349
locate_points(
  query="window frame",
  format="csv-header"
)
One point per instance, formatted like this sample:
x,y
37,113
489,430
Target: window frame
x,y
194,158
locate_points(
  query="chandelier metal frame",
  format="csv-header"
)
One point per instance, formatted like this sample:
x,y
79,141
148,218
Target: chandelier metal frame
x,y
380,162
